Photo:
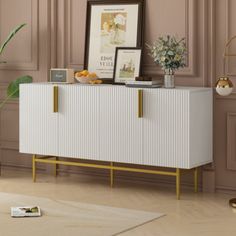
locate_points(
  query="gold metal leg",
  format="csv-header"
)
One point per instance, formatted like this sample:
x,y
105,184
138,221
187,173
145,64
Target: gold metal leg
x,y
111,167
111,175
178,183
55,167
34,168
196,180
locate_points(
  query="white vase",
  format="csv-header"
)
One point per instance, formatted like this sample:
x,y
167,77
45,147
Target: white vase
x,y
169,81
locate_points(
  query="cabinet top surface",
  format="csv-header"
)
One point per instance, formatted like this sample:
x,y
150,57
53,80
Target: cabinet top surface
x,y
183,88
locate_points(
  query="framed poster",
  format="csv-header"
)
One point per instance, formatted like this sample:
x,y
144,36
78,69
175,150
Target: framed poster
x,y
127,64
111,24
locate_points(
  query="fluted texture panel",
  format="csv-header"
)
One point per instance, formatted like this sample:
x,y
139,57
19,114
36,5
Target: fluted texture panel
x,y
201,128
79,121
121,129
166,128
38,123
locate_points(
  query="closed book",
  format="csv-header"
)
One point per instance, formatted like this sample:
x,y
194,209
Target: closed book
x,y
153,82
144,85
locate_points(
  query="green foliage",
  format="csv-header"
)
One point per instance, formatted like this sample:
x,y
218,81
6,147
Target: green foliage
x,y
169,53
14,87
10,36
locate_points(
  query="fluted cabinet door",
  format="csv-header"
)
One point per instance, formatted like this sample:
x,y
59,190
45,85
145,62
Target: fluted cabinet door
x,y
177,127
38,122
78,121
121,129
166,128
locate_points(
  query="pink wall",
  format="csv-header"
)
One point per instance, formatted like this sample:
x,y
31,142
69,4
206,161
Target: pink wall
x,y
54,37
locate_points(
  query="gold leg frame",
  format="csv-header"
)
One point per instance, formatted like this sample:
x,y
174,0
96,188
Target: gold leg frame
x,y
178,183
55,167
34,168
111,175
112,168
196,180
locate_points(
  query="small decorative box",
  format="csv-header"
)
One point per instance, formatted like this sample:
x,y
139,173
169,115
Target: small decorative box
x,y
58,75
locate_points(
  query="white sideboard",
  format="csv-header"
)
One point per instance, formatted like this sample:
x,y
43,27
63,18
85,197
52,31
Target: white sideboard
x,y
102,123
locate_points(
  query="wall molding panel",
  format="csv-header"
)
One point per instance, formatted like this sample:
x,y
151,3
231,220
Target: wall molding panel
x,y
210,77
190,28
32,62
52,5
60,32
71,21
231,140
75,35
230,31
8,115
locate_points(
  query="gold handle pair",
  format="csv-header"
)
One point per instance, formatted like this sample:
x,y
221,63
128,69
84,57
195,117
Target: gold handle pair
x,y
55,99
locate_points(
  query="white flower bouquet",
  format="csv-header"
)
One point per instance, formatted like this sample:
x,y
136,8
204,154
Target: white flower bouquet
x,y
169,53
119,20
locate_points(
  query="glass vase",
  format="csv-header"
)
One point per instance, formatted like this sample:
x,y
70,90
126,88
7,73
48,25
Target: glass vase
x,y
169,79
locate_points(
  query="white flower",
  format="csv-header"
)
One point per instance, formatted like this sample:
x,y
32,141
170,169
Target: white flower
x,y
163,58
119,19
177,57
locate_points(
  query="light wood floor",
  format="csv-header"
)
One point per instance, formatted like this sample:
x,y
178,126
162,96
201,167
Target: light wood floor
x,y
196,214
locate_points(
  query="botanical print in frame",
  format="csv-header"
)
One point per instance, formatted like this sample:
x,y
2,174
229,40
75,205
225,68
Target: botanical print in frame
x,y
127,64
111,24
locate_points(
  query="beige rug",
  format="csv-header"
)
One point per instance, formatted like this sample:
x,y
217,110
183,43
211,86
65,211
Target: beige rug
x,y
66,218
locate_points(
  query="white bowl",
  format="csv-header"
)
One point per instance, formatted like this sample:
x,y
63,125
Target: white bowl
x,y
84,79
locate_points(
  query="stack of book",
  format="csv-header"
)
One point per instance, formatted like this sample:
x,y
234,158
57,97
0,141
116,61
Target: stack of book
x,y
144,84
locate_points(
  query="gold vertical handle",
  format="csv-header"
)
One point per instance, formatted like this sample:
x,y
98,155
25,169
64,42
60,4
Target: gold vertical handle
x,y
55,98
140,103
